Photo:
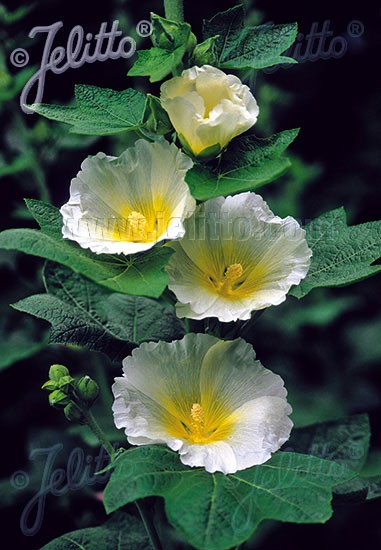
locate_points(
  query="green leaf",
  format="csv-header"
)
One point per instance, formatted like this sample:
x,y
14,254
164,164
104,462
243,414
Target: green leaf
x,y
359,489
138,274
216,511
240,47
98,111
341,254
85,314
122,531
248,163
345,440
170,44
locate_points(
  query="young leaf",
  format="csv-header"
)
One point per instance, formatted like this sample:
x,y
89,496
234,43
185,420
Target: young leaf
x,y
240,47
341,254
216,511
85,314
170,41
98,111
121,531
140,274
248,163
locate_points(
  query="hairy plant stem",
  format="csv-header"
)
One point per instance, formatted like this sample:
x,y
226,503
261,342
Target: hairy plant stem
x,y
97,431
149,525
174,10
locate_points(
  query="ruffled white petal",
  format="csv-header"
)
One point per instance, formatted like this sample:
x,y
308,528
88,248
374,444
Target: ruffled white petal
x,y
147,181
265,423
215,457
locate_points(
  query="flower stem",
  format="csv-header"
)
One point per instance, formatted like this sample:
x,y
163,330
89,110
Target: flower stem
x,y
149,526
174,10
98,432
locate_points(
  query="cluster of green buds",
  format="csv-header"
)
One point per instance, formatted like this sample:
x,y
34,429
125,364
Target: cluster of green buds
x,y
74,396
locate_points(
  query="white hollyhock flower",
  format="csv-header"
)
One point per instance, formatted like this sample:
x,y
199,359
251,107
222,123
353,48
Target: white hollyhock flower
x,y
236,257
208,399
208,108
127,204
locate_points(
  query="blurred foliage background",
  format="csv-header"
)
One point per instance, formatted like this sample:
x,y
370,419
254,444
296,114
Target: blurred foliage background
x,y
327,347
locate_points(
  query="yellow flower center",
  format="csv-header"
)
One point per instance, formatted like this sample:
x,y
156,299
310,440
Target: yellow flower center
x,y
230,280
198,424
136,227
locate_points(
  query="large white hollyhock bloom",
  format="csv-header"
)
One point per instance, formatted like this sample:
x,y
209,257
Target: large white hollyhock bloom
x,y
236,257
210,400
208,108
127,204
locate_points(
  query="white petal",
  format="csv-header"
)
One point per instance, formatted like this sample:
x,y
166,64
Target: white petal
x,y
230,374
263,427
214,457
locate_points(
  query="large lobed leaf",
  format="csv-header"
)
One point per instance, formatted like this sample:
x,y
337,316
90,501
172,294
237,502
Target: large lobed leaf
x,y
341,254
139,274
216,511
248,163
85,314
240,47
345,441
98,111
122,531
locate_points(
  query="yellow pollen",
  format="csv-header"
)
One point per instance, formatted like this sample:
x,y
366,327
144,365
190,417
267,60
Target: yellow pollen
x,y
228,284
137,226
197,424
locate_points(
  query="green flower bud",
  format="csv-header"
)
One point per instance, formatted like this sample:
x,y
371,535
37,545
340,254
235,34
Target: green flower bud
x,y
205,53
58,399
65,382
87,389
57,371
50,385
191,44
165,33
73,413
